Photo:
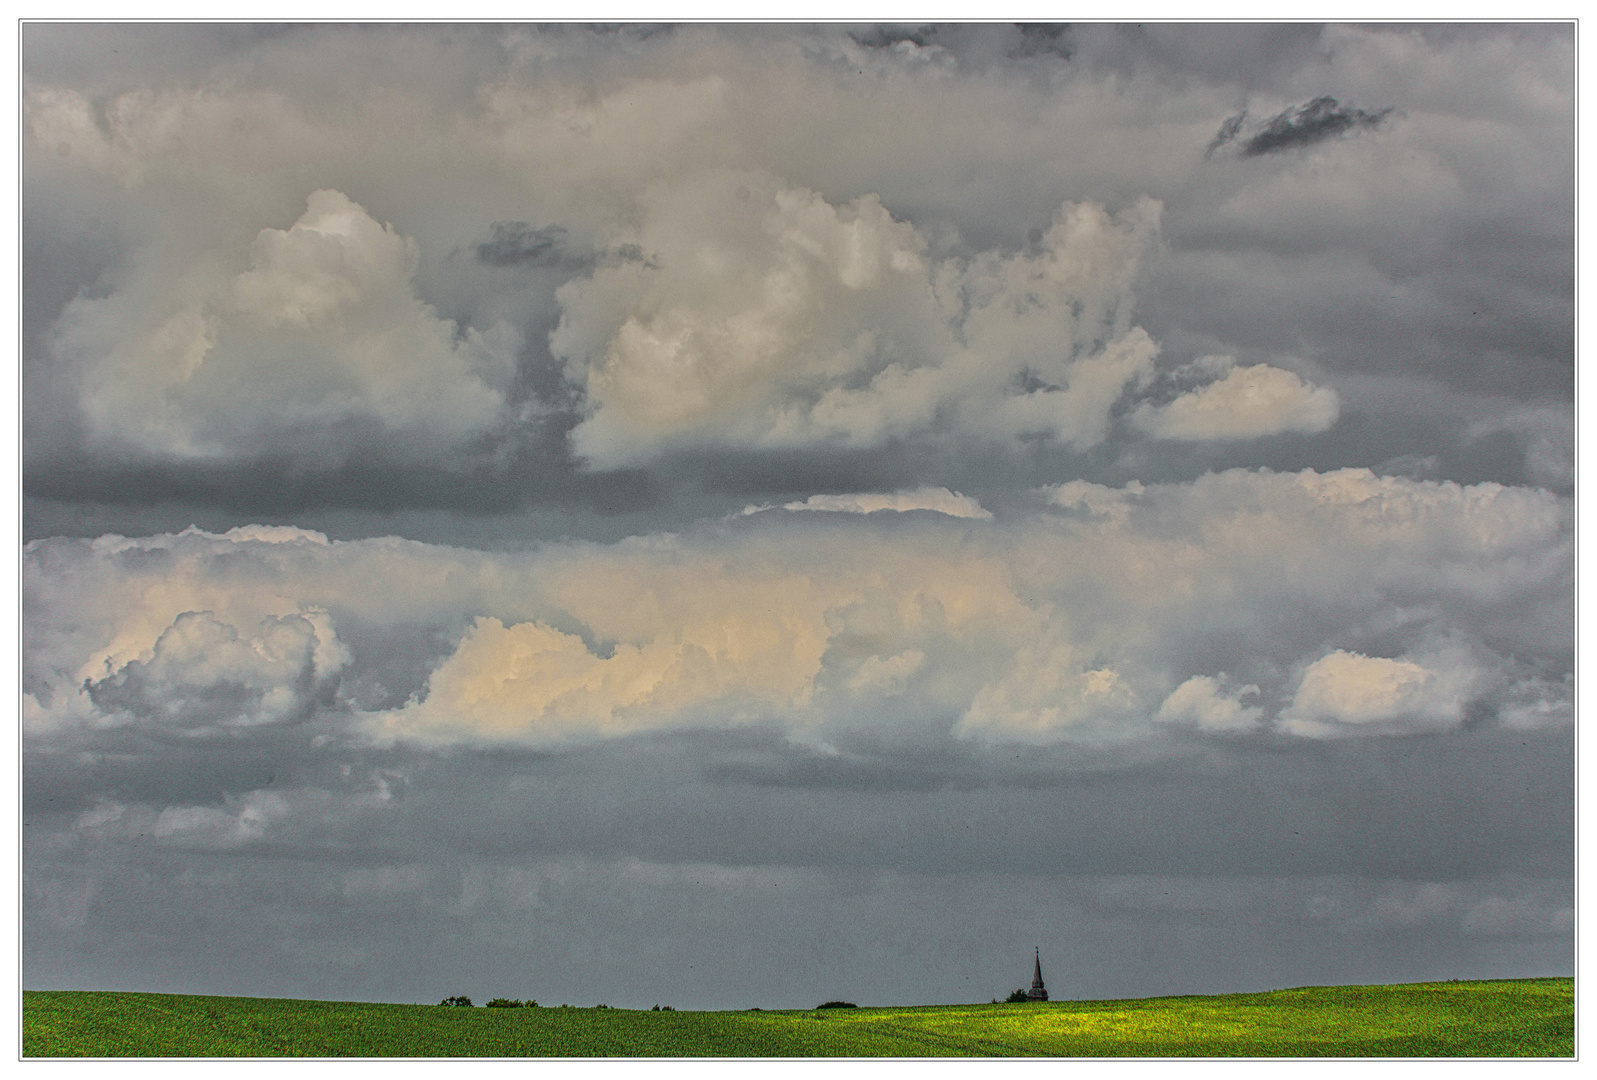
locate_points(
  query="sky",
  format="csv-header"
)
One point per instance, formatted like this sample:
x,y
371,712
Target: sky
x,y
727,516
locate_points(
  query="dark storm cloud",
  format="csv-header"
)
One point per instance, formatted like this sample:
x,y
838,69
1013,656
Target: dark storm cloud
x,y
1450,807
1456,840
1228,131
974,44
1363,316
1182,56
1294,128
587,931
792,474
1039,38
108,53
368,483
516,243
884,37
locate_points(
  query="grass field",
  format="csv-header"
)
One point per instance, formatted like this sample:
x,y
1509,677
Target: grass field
x,y
1499,1018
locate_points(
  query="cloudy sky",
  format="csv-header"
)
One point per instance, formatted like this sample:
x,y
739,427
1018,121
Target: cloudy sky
x,y
730,516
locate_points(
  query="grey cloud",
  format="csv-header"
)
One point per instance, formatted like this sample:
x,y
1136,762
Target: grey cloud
x,y
587,931
516,243
1440,807
1294,128
974,46
1435,857
1228,131
1182,57
1037,39
1412,465
885,37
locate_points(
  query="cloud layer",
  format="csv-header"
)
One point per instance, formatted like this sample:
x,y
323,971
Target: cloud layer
x,y
553,252
1340,602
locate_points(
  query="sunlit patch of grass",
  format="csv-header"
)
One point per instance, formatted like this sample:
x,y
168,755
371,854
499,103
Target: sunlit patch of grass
x,y
1502,1018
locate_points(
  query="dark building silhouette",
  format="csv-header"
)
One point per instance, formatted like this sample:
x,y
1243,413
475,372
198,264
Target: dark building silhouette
x,y
1038,991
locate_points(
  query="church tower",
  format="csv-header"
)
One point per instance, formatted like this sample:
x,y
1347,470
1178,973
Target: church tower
x,y
1038,991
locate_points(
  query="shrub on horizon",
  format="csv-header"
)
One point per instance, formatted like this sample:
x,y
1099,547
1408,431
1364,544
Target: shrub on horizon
x,y
837,1005
458,1001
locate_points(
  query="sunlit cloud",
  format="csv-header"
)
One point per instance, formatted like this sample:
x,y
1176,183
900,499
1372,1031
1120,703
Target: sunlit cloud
x,y
1084,621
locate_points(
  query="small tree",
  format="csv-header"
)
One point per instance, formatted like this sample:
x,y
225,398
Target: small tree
x,y
458,1001
1019,997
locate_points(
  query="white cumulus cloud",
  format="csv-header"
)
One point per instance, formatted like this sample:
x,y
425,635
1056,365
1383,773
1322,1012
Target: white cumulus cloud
x,y
887,675
760,315
939,499
318,345
1242,403
203,673
1048,689
1203,701
1343,692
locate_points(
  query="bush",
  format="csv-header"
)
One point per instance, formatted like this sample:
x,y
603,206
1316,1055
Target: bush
x,y
512,1003
460,1002
1019,997
838,1005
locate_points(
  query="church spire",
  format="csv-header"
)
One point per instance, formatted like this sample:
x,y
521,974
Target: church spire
x,y
1038,991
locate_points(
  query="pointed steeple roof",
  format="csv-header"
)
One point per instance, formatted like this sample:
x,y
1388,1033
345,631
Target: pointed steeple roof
x,y
1038,991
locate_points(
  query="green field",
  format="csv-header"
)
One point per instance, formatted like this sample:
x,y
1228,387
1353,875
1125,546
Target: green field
x,y
1498,1018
